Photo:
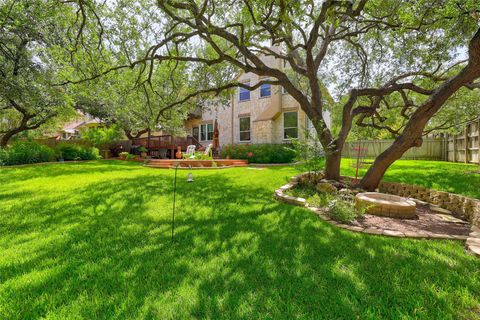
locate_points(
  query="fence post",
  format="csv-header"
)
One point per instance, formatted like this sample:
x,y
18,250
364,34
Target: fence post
x,y
478,140
466,142
454,148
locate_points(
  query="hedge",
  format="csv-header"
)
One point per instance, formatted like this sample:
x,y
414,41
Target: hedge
x,y
260,153
68,151
27,152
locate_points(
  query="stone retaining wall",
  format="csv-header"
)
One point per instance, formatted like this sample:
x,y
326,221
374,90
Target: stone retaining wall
x,y
467,208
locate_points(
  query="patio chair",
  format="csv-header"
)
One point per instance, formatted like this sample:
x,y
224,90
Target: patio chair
x,y
208,151
190,153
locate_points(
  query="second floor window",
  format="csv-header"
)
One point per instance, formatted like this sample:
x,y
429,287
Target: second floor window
x,y
206,132
290,125
265,90
243,94
245,129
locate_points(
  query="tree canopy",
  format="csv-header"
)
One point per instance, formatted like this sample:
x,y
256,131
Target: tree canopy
x,y
391,65
29,34
382,59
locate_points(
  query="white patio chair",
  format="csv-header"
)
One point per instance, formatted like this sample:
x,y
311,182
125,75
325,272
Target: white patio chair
x,y
208,150
190,153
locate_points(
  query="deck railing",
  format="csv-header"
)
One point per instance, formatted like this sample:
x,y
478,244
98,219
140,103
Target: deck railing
x,y
166,142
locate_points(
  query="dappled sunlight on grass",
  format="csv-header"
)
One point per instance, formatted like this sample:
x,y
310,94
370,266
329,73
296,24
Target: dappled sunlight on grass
x,y
92,240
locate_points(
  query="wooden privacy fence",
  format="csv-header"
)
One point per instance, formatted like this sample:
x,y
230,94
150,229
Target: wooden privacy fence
x,y
52,143
104,150
462,147
431,149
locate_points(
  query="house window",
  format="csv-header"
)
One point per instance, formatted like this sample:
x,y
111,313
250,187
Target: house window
x,y
245,129
206,132
265,90
284,91
243,94
196,132
290,125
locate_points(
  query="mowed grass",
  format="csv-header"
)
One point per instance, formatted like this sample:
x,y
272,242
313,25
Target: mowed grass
x,y
444,176
92,241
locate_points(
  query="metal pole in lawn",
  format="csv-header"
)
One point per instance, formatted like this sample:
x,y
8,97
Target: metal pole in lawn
x,y
174,198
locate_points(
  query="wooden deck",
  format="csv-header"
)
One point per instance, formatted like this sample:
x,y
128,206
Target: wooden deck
x,y
220,163
165,146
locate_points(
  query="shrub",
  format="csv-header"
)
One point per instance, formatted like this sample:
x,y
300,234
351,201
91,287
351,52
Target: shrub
x,y
101,137
68,152
130,157
344,211
3,157
123,155
25,152
311,195
309,153
260,153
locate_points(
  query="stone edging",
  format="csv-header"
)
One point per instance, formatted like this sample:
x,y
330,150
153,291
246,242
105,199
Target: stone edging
x,y
472,240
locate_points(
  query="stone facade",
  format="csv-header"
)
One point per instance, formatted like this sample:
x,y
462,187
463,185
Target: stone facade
x,y
265,114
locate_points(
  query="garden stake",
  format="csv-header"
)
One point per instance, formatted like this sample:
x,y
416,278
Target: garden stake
x,y
174,196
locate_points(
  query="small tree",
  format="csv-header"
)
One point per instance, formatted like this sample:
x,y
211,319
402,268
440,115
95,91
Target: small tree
x,y
103,136
309,153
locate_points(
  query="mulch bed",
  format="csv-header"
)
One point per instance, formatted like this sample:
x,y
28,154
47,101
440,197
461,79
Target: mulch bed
x,y
427,221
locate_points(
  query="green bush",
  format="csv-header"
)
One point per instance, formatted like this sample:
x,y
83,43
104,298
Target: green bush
x,y
3,157
310,194
260,153
101,137
69,152
25,152
309,153
344,211
130,157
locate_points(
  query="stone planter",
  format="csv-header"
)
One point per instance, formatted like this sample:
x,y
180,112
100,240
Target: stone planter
x,y
386,205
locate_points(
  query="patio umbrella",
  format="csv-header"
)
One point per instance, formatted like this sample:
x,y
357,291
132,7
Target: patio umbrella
x,y
216,143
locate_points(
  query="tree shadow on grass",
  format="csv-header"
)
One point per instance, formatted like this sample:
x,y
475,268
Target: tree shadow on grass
x,y
34,171
107,253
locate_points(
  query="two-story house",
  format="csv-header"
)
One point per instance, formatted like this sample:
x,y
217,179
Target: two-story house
x,y
265,115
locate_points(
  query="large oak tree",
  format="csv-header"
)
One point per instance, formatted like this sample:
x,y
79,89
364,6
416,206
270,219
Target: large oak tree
x,y
379,58
367,50
27,99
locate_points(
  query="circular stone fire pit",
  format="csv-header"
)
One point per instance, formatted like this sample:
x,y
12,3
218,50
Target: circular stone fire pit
x,y
386,205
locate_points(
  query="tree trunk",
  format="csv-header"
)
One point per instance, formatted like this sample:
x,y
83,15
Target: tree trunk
x,y
7,136
374,175
332,165
332,147
412,134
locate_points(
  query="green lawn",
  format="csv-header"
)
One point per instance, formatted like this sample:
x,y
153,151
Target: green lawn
x,y
92,241
445,176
